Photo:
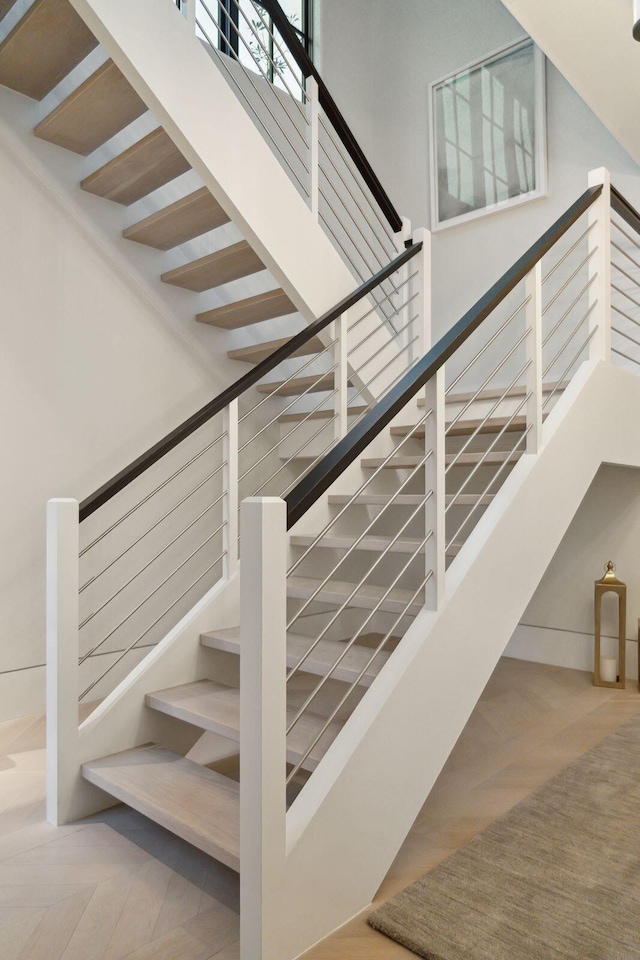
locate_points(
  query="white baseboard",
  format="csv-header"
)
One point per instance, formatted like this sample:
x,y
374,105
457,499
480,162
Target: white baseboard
x,y
22,693
561,648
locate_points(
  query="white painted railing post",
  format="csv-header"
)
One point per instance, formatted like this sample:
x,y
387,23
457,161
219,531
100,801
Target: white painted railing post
x,y
422,286
533,345
313,116
263,606
341,375
434,476
62,656
403,234
230,478
600,266
191,13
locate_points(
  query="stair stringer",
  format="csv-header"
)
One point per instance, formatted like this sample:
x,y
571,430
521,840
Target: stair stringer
x,y
349,822
155,48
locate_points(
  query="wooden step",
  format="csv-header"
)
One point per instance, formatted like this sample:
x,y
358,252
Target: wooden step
x,y
313,384
464,428
368,596
181,221
260,351
318,415
99,108
44,46
319,663
373,544
5,6
145,166
216,708
497,393
406,499
191,801
461,459
223,266
264,306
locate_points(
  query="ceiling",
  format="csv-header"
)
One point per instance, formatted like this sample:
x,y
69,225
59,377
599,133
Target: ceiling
x,y
590,42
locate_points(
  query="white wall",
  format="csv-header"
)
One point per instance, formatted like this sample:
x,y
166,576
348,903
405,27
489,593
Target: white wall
x,y
558,624
394,51
82,348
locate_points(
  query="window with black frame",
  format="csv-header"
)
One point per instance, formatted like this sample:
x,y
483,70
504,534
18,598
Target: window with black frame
x,y
244,30
247,32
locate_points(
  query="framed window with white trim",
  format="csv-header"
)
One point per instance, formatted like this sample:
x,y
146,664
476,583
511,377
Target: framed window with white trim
x,y
488,136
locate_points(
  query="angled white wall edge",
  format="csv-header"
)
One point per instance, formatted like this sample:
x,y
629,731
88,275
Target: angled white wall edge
x,y
152,44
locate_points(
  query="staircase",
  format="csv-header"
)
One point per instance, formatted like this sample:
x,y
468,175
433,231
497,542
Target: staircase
x,y
325,561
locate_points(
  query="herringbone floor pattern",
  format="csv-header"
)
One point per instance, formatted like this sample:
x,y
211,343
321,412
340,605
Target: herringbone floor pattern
x,y
119,887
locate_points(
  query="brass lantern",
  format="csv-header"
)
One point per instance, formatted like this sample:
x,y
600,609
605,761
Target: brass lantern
x,y
606,671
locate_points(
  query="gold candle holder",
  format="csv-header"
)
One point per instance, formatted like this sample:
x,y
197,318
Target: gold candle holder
x,y
610,584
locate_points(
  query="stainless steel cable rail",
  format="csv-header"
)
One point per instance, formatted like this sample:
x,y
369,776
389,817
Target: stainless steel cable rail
x,y
460,419
625,281
319,479
263,60
164,530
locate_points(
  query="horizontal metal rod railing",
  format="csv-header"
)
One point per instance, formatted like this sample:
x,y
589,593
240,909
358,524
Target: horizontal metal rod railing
x,y
623,208
328,104
316,482
217,405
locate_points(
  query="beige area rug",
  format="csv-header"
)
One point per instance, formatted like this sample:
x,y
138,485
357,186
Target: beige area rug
x,y
556,877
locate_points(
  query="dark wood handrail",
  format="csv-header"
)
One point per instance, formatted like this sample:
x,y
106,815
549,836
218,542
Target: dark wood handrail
x,y
317,481
328,104
622,207
215,406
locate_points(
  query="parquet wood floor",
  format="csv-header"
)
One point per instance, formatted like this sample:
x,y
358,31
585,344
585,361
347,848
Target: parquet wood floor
x,y
117,887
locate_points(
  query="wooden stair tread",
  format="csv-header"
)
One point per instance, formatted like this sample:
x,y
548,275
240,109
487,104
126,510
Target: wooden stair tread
x,y
464,428
319,414
319,662
367,597
260,351
497,393
242,313
216,707
488,459
99,108
407,499
461,459
145,166
223,266
192,801
374,544
299,385
43,47
183,220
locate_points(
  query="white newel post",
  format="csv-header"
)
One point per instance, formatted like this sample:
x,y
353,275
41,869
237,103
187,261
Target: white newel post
x,y
191,14
533,345
434,476
313,116
230,479
62,656
422,306
262,727
600,266
403,235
